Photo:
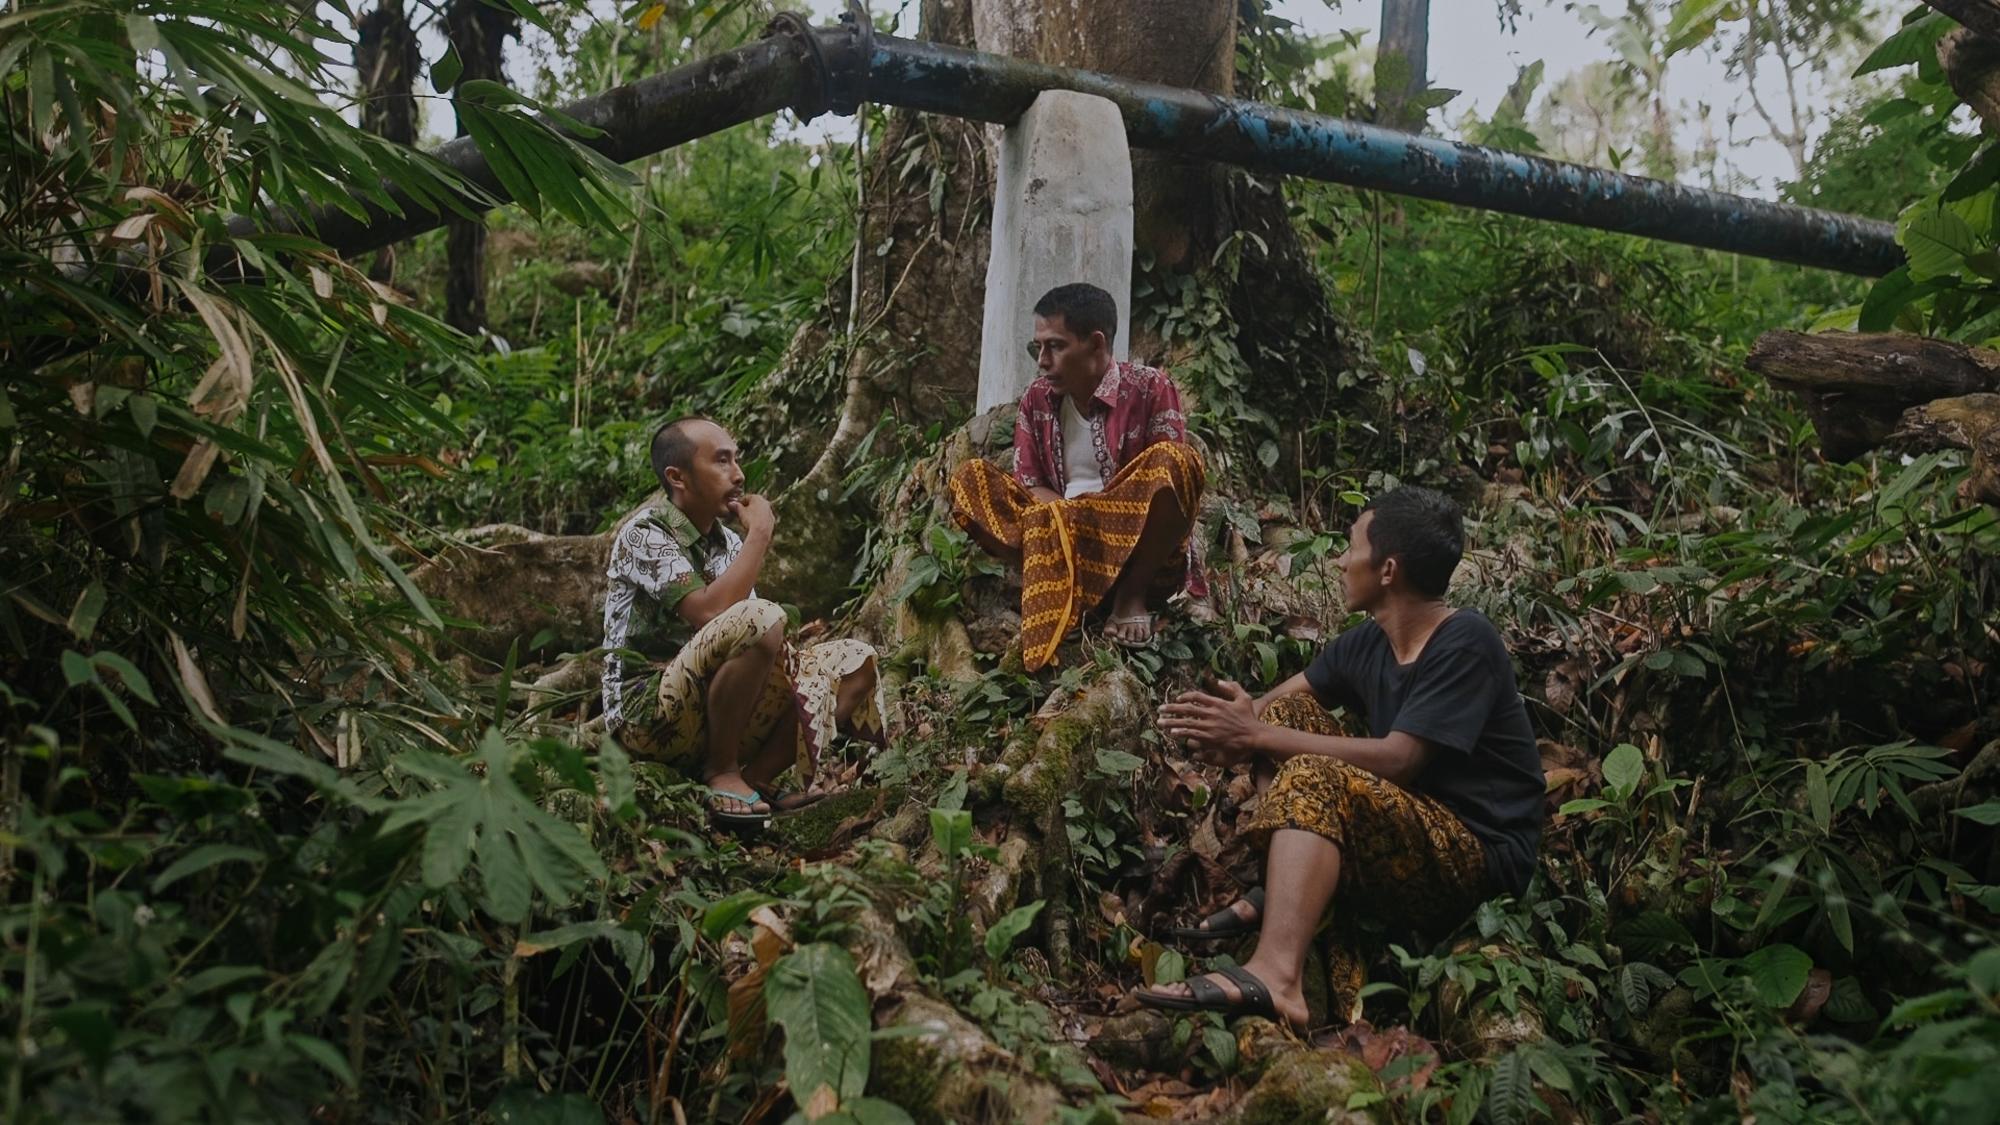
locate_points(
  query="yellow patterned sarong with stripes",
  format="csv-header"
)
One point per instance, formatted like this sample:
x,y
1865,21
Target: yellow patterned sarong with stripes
x,y
1072,551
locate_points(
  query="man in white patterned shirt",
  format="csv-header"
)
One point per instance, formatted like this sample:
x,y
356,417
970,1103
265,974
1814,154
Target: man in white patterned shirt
x,y
696,669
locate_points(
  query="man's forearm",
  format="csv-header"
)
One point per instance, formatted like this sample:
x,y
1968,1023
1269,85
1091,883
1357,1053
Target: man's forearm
x,y
1292,686
732,585
1392,759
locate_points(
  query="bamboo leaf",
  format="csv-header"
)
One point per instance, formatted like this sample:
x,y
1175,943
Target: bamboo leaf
x,y
203,858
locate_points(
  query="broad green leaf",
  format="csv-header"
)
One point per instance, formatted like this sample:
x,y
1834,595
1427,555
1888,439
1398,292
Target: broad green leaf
x,y
1623,768
1221,1047
1847,1003
723,916
814,993
1937,243
445,71
1913,42
1000,936
1778,973
1986,812
448,842
509,891
951,831
1510,1090
1653,932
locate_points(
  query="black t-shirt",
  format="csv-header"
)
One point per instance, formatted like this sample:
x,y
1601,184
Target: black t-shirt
x,y
1460,696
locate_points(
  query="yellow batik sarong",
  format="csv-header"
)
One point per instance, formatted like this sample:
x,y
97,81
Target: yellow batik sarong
x,y
1072,551
1404,858
667,719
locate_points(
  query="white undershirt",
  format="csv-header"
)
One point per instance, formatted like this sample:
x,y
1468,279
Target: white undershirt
x,y
1079,453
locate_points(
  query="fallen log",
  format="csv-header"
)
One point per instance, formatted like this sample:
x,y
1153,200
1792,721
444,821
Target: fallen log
x,y
1856,385
1863,390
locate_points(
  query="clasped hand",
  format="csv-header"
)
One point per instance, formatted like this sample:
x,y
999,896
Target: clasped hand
x,y
1220,729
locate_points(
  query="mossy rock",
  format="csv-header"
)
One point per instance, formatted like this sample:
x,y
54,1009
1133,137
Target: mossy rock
x,y
1305,1085
811,828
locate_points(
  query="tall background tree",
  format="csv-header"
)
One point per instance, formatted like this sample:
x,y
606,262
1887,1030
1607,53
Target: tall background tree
x,y
906,330
478,33
386,59
1402,64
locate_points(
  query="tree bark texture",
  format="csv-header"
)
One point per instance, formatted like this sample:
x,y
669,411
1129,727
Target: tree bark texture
x,y
1402,63
478,32
1863,390
924,247
386,60
1971,64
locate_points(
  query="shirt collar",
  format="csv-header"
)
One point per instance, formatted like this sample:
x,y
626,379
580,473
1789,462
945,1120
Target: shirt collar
x,y
1113,384
682,528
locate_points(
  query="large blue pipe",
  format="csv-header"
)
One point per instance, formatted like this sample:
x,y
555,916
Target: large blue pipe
x,y
939,79
814,70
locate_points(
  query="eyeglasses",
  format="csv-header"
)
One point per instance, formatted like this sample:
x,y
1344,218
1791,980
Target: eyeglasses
x,y
1053,347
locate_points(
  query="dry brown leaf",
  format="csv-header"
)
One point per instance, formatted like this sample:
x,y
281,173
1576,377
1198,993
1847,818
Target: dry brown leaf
x,y
83,396
235,350
193,679
769,937
746,1013
132,227
194,469
322,283
822,1102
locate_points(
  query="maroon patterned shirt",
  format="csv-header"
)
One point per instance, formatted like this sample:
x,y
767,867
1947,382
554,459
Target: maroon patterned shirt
x,y
1134,407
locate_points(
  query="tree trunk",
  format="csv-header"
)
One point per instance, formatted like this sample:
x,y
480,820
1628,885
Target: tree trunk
x,y
385,66
478,33
923,251
1402,64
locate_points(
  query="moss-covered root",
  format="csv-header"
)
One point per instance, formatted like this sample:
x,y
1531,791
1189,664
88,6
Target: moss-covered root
x,y
1110,711
1306,1085
812,829
949,1071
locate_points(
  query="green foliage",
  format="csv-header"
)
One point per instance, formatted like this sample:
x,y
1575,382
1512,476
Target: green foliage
x,y
814,994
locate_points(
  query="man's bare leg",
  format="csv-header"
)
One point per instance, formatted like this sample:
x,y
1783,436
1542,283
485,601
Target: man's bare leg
x,y
779,752
1301,872
1159,540
732,694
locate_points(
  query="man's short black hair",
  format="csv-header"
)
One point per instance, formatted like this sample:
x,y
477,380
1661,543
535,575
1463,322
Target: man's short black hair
x,y
1084,309
673,448
1422,527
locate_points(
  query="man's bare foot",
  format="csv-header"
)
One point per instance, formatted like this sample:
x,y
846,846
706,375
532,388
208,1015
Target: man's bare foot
x,y
730,793
1130,623
1243,908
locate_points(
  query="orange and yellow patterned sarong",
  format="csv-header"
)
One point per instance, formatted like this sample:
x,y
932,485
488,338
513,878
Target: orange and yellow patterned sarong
x,y
1072,551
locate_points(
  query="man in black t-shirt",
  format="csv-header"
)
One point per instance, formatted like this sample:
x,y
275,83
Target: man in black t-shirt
x,y
1439,808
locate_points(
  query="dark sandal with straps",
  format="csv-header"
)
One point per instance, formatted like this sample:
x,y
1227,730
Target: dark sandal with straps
x,y
1253,999
784,801
1225,923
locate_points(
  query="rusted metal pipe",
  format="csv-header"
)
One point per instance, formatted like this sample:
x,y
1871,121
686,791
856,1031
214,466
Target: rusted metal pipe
x,y
1265,138
813,70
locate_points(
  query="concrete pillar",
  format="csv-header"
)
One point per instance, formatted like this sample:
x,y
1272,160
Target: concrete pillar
x,y
1062,212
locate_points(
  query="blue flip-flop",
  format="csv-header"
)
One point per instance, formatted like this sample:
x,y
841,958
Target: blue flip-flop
x,y
737,821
